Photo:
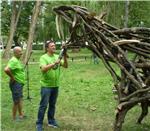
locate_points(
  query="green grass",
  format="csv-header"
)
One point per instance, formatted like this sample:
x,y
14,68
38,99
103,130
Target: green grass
x,y
85,102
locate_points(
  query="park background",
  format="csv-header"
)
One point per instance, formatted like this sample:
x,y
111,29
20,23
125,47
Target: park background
x,y
86,101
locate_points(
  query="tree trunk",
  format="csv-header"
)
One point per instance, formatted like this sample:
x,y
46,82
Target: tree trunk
x,y
32,31
14,21
126,13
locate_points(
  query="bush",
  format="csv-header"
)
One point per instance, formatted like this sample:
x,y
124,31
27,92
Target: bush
x,y
40,47
58,46
37,47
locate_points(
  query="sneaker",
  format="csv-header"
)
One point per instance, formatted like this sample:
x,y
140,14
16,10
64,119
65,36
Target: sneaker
x,y
39,128
22,117
17,120
53,124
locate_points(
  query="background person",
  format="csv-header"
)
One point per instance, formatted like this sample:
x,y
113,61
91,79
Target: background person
x,y
15,71
50,69
95,58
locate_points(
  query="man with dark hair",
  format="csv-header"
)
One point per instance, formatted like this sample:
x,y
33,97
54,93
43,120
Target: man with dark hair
x,y
50,68
15,71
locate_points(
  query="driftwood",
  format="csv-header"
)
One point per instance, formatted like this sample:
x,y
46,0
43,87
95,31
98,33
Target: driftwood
x,y
128,48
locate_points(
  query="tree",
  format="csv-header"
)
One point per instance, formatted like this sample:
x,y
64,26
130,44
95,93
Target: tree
x,y
23,23
46,27
6,15
16,10
126,13
32,30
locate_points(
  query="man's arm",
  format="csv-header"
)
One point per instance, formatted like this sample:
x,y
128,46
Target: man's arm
x,y
9,73
49,66
65,64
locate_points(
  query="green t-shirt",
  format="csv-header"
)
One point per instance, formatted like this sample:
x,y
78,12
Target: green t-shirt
x,y
51,77
17,70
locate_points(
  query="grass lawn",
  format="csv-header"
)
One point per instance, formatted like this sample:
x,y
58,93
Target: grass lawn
x,y
85,102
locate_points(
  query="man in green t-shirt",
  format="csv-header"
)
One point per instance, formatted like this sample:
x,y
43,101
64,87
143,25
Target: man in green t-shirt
x,y
15,71
50,71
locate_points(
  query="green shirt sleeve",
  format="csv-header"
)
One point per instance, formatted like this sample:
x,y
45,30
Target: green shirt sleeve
x,y
12,64
43,62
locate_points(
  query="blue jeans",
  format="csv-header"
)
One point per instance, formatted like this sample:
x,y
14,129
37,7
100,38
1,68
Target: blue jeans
x,y
48,98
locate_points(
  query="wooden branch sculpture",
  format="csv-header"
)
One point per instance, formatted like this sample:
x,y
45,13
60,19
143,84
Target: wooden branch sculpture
x,y
128,48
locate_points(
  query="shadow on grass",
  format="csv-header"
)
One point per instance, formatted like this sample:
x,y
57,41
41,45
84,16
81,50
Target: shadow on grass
x,y
63,127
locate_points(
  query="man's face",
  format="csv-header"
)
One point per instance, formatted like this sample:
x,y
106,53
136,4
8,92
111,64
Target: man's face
x,y
18,52
51,48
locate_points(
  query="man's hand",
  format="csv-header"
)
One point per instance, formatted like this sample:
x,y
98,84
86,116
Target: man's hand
x,y
9,73
57,62
65,51
12,80
55,65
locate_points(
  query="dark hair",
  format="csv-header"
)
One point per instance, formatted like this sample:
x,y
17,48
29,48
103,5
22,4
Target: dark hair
x,y
48,42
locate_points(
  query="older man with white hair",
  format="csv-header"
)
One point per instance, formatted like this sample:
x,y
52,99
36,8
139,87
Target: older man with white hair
x,y
15,71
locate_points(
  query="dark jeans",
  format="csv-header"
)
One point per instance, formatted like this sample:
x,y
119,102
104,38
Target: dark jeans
x,y
17,90
48,98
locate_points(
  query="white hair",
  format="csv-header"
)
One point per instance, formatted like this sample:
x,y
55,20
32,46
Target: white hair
x,y
16,48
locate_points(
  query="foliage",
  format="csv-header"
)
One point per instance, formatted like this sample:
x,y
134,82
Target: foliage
x,y
46,28
137,15
5,22
37,47
23,23
116,12
25,19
